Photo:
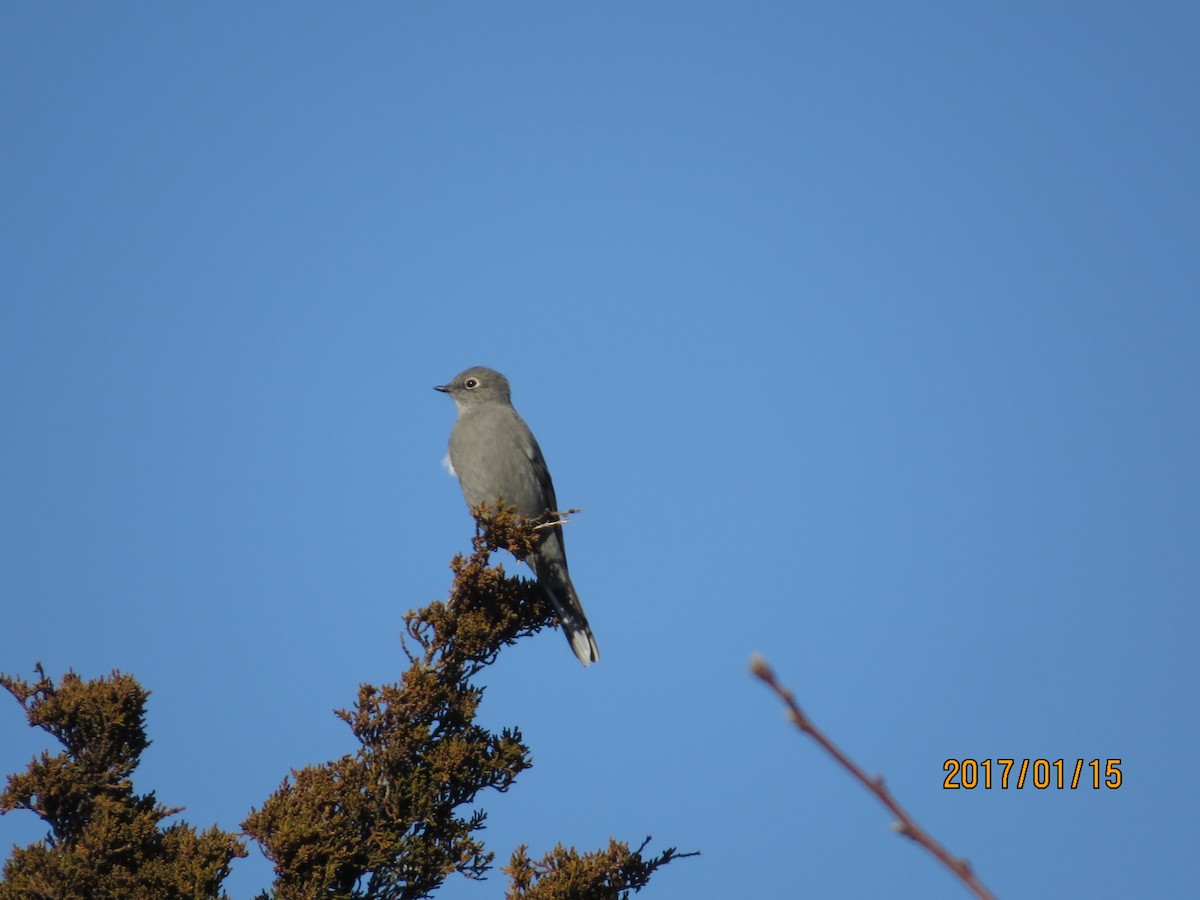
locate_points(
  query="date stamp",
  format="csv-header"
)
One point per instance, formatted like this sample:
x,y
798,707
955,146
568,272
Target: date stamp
x,y
1060,774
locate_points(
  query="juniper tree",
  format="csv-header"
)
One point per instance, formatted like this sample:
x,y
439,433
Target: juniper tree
x,y
105,841
390,821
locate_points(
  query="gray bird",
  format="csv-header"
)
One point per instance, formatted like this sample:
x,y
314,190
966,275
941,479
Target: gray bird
x,y
497,460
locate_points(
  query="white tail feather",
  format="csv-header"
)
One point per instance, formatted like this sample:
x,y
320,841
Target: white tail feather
x,y
585,647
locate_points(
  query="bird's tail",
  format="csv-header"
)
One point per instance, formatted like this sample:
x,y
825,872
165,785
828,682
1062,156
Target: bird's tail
x,y
570,613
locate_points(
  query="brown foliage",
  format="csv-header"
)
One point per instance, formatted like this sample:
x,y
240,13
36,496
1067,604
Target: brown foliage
x,y
566,874
105,840
388,822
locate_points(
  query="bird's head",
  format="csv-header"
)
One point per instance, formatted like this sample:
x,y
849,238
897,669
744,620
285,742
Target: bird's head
x,y
477,386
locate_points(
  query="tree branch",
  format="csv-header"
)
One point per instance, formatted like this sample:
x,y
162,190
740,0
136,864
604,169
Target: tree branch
x,y
905,823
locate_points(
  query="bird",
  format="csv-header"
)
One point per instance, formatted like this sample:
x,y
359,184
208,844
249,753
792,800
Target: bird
x,y
497,461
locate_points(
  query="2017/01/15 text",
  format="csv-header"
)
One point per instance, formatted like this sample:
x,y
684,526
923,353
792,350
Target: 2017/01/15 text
x,y
1040,773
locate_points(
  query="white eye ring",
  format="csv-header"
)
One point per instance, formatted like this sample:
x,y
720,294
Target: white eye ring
x,y
470,383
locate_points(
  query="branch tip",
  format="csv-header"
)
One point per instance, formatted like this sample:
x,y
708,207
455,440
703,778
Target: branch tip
x,y
759,667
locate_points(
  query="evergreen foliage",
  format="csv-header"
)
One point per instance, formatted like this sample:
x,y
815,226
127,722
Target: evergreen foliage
x,y
105,840
389,822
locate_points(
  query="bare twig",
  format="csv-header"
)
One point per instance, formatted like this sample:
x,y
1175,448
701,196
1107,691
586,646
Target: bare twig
x,y
560,518
905,824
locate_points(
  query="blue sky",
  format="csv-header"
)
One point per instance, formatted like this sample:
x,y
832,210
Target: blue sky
x,y
865,335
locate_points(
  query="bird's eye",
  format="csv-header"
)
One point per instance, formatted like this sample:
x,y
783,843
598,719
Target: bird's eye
x,y
471,382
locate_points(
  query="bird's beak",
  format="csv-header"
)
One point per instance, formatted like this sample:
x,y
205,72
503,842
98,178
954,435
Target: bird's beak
x,y
444,388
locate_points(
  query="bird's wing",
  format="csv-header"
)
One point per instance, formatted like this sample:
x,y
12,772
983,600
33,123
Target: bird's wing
x,y
540,471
